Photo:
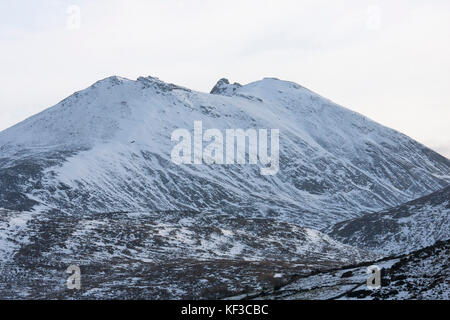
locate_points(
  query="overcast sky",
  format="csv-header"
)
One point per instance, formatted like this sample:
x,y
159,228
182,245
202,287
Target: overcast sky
x,y
389,60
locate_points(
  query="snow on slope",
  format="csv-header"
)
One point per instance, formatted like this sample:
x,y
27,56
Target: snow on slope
x,y
411,226
107,148
151,255
13,233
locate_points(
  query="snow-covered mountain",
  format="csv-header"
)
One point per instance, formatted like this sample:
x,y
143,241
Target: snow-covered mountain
x,y
90,181
107,148
408,227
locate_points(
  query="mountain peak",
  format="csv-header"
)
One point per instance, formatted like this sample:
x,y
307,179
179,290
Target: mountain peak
x,y
271,83
111,80
156,83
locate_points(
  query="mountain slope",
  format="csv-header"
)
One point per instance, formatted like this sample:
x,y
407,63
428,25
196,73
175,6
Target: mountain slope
x,y
411,226
107,148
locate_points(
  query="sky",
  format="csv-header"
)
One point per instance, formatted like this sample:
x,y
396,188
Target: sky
x,y
389,60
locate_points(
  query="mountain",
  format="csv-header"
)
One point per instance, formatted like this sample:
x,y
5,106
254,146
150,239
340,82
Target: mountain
x,y
419,275
156,255
408,227
107,148
92,182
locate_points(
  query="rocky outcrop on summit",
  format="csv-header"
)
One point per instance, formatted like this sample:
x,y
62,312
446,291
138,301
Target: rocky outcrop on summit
x,y
224,87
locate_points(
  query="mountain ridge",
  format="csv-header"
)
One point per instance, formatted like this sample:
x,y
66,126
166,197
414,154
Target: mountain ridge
x,y
411,226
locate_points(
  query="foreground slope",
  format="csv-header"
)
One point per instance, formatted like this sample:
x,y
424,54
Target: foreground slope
x,y
107,148
156,255
420,275
411,226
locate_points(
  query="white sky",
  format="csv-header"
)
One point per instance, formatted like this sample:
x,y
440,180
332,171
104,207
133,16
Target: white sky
x,y
389,60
